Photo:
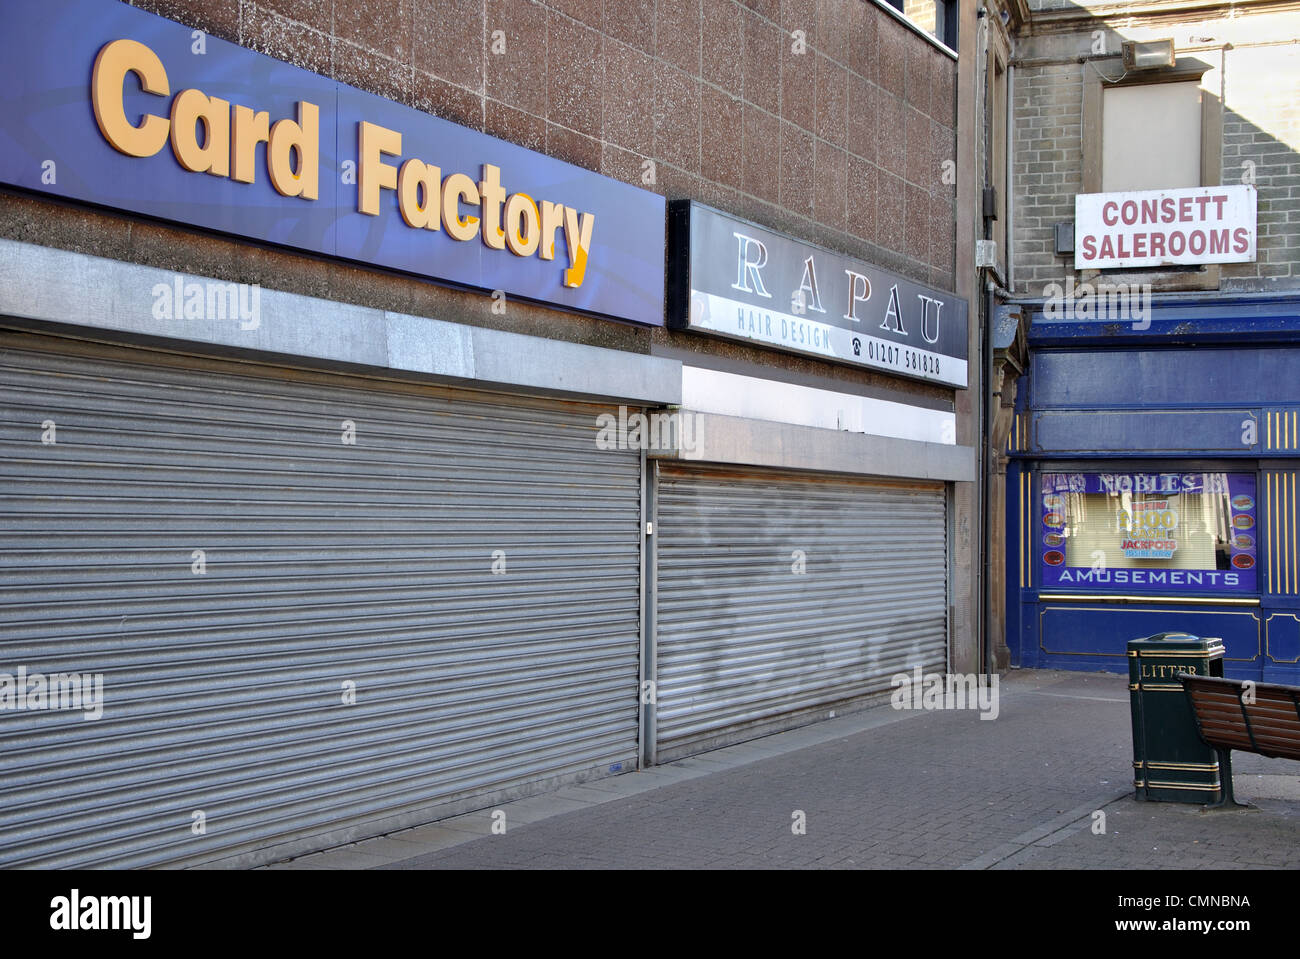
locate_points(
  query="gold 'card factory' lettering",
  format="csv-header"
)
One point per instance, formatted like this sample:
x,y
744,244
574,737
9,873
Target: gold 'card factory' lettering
x,y
228,148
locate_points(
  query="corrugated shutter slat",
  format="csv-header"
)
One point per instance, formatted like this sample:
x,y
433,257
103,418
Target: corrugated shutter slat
x,y
743,641
325,562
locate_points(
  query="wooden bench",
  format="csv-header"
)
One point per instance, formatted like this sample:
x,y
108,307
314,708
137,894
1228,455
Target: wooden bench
x,y
1226,719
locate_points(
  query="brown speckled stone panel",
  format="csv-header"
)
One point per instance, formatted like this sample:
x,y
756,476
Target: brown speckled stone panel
x,y
861,117
316,14
891,53
918,75
677,33
677,184
623,165
628,98
799,87
832,100
943,146
722,137
916,224
518,76
833,24
632,21
514,125
943,230
862,39
762,63
677,118
369,71
862,198
217,17
718,195
761,162
448,40
572,147
891,134
889,211
920,168
383,26
723,45
575,75
286,40
800,15
589,12
769,9
797,170
943,79
442,99
830,200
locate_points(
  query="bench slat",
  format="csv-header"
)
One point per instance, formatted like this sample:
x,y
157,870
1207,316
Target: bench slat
x,y
1265,744
1264,719
1270,726
1234,711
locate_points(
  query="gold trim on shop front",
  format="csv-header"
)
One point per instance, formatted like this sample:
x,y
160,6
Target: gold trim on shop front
x,y
1177,600
1283,551
1267,652
1272,540
1024,529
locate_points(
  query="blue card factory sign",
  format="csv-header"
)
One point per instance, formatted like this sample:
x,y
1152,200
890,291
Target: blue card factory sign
x,y
736,279
109,105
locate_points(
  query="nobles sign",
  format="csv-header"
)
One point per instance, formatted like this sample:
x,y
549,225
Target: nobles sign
x,y
109,105
736,279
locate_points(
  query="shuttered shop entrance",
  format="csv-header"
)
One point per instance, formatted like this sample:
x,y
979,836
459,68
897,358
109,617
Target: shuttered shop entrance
x,y
745,642
349,529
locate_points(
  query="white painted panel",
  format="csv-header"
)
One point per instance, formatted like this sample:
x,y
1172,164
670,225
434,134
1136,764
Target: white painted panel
x,y
731,394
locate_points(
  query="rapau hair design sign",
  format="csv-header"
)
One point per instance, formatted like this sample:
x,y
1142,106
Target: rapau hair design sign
x,y
736,279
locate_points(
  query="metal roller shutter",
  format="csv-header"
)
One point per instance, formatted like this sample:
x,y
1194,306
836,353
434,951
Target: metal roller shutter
x,y
326,563
744,643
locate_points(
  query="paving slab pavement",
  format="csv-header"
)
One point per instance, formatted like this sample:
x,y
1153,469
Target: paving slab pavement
x,y
881,788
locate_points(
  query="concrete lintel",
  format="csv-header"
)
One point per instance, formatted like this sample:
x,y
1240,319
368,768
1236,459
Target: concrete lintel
x,y
735,440
133,303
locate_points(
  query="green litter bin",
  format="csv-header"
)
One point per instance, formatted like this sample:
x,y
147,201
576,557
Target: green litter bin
x,y
1170,763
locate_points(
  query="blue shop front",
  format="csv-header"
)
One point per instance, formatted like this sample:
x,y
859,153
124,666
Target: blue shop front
x,y
1152,485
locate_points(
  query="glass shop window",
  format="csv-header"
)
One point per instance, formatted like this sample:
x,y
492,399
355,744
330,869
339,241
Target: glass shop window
x,y
1150,532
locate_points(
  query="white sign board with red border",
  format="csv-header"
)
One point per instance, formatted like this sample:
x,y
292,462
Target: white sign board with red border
x,y
1211,224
